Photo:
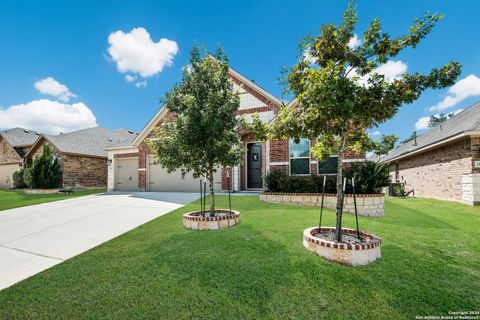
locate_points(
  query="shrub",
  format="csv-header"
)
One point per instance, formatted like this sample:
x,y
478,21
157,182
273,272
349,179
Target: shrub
x,y
272,179
27,177
278,181
45,171
398,190
370,177
18,181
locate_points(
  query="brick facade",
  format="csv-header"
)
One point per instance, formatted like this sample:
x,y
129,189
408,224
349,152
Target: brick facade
x,y
84,172
437,173
77,170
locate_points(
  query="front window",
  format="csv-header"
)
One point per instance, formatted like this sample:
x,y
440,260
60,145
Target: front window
x,y
328,166
300,157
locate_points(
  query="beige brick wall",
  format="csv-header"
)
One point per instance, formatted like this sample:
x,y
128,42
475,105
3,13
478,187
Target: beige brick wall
x,y
84,172
81,171
7,154
436,173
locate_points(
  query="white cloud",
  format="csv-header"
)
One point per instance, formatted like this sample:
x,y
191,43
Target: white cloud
x,y
141,84
391,70
135,52
422,123
130,78
375,133
354,42
48,116
463,89
54,88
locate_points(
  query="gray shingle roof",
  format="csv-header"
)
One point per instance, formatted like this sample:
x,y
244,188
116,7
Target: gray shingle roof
x,y
18,137
467,120
92,141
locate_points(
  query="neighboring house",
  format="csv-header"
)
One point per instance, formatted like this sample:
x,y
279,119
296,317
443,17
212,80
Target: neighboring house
x,y
444,162
14,144
81,153
132,166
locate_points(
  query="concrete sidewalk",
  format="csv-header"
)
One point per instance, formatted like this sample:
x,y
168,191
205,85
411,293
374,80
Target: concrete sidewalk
x,y
37,237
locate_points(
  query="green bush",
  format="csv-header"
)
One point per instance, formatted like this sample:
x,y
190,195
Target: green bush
x,y
399,190
272,179
27,177
46,170
370,177
18,181
278,181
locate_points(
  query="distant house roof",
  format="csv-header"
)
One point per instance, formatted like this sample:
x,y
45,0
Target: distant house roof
x,y
91,141
20,137
463,123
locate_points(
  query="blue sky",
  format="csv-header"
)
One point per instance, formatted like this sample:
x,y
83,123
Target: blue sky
x,y
58,72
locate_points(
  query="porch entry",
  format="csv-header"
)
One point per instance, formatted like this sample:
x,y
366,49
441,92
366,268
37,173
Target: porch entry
x,y
254,166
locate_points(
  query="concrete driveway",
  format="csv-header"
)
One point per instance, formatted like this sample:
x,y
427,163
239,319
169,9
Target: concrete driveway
x,y
37,237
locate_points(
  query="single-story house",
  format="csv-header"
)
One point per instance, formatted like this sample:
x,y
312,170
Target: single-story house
x,y
132,167
14,144
444,162
82,154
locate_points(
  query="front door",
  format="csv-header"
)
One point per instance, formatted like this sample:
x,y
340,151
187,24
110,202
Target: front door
x,y
254,166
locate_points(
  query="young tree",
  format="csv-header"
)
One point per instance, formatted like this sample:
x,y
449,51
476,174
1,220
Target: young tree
x,y
46,171
202,132
435,120
340,93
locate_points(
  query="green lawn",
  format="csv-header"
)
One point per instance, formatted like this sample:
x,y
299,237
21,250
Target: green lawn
x,y
260,269
12,199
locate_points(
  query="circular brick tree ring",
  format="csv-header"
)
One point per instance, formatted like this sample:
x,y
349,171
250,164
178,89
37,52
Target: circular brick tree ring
x,y
356,253
223,219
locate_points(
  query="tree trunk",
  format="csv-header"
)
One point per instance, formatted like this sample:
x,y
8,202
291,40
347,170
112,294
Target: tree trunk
x,y
338,226
212,192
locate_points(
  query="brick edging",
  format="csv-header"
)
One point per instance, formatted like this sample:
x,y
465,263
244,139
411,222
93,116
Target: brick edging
x,y
368,195
192,217
373,241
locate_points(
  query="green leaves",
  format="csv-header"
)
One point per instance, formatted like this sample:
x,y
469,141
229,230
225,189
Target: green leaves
x,y
201,132
340,95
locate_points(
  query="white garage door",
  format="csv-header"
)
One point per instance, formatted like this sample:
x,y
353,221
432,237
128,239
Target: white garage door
x,y
159,180
6,173
126,174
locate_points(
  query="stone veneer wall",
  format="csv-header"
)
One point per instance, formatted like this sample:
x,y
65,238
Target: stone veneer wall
x,y
369,205
8,155
436,173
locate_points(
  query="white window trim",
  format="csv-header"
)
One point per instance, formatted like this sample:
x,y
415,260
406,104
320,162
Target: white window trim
x,y
327,174
309,159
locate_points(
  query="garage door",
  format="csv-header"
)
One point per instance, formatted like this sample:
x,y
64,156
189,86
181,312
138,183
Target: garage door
x,y
159,180
126,174
6,172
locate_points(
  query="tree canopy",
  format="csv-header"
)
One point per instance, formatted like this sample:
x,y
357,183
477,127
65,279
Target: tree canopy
x,y
340,92
201,133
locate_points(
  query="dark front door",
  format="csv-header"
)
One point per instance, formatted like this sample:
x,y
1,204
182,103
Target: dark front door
x,y
254,165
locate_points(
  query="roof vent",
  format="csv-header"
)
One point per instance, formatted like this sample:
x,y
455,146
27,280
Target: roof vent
x,y
37,133
130,131
26,131
110,139
415,138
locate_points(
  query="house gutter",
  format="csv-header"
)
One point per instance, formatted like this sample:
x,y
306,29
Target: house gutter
x,y
434,145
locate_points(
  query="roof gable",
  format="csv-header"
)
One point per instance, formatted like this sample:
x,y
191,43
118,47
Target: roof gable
x,y
20,137
88,142
253,98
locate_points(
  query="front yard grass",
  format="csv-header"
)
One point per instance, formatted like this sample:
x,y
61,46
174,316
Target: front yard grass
x,y
430,265
16,198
